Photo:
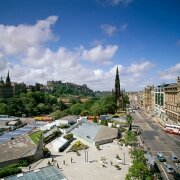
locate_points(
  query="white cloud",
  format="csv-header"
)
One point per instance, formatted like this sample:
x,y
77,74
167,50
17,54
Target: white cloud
x,y
108,29
98,72
39,63
100,54
17,40
115,2
171,73
138,68
3,62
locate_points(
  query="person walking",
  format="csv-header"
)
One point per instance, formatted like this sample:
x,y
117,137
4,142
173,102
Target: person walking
x,y
57,165
64,162
71,159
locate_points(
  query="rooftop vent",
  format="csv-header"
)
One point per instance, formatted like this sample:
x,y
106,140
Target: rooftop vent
x,y
36,170
19,175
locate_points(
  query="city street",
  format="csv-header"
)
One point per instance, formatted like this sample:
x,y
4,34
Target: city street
x,y
156,140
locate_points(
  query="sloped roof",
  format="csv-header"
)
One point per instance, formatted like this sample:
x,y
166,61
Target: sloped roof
x,y
106,133
16,148
48,172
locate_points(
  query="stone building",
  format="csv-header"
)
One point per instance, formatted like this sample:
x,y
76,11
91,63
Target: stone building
x,y
159,101
148,99
172,102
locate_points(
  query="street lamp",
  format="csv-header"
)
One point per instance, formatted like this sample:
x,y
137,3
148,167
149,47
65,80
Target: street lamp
x,y
86,155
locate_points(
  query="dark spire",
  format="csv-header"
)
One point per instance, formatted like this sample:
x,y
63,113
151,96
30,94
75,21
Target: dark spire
x,y
117,86
8,78
1,81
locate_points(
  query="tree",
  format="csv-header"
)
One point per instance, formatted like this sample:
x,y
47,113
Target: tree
x,y
130,138
76,109
96,109
3,108
58,114
128,119
138,171
95,119
104,122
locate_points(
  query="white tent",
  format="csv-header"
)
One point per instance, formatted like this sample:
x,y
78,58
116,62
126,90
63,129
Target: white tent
x,y
58,143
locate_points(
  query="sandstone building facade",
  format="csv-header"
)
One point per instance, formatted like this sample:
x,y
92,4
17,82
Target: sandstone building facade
x,y
172,102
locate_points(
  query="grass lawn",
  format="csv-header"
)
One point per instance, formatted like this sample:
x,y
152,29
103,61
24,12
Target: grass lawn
x,y
35,136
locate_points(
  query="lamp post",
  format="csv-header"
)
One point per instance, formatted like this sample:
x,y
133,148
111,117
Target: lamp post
x,y
86,155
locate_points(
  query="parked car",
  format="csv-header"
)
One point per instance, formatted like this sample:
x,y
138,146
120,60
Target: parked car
x,y
174,158
161,157
169,168
176,176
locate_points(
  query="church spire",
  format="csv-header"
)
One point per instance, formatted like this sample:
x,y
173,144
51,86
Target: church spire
x,y
1,81
117,91
117,85
8,78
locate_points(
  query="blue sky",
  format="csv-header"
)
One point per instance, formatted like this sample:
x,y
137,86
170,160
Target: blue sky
x,y
83,41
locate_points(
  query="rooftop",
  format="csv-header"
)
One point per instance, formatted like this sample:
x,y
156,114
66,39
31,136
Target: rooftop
x,y
94,132
8,119
45,173
106,133
71,117
16,148
24,130
87,129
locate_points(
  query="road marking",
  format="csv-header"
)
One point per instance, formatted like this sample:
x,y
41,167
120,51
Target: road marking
x,y
173,167
164,171
178,166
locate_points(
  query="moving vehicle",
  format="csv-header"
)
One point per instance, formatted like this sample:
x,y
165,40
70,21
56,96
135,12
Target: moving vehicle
x,y
169,168
173,129
161,157
174,158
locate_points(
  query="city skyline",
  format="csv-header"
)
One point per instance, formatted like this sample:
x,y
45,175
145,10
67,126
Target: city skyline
x,y
83,42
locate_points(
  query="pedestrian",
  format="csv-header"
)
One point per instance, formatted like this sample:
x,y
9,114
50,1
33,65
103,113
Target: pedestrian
x,y
111,163
52,159
49,163
64,162
29,167
71,159
57,165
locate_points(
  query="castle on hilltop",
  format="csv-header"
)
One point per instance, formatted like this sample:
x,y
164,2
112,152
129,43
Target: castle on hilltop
x,y
6,88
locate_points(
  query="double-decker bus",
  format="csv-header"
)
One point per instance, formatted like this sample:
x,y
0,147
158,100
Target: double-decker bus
x,y
173,129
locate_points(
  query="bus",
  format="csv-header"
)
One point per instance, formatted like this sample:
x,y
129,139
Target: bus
x,y
173,129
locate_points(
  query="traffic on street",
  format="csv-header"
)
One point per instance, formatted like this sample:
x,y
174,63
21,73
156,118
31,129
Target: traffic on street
x,y
163,147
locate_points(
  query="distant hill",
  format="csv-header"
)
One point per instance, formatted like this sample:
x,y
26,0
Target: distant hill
x,y
59,89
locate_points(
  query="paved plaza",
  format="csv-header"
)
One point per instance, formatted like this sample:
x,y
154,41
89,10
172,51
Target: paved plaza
x,y
91,167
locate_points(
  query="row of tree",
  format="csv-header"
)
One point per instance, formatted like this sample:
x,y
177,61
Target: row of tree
x,y
93,106
31,103
139,170
39,103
